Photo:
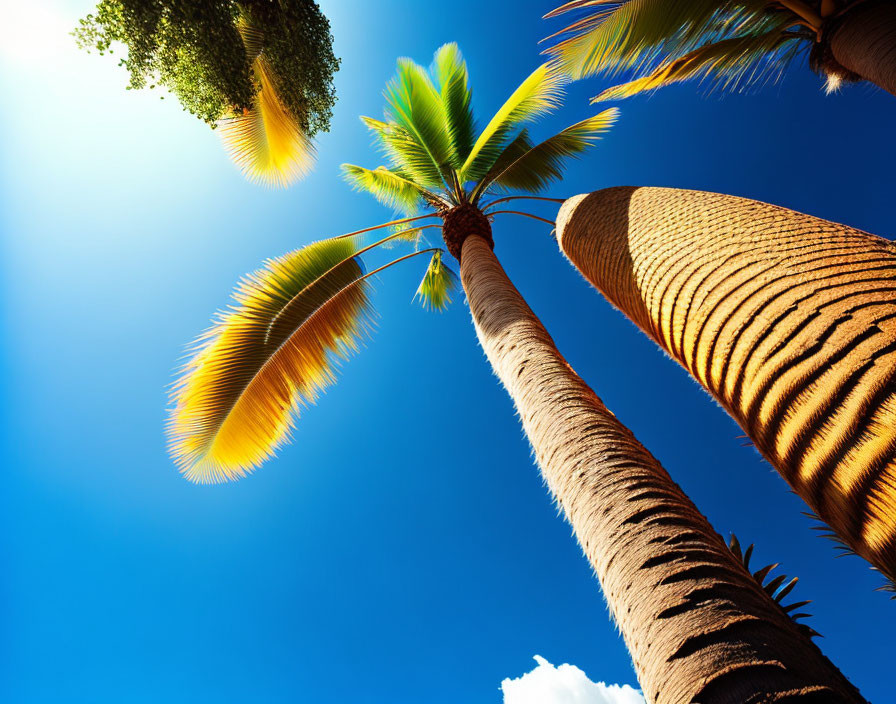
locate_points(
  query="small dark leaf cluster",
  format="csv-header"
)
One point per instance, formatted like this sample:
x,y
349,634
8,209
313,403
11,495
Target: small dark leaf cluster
x,y
194,49
777,588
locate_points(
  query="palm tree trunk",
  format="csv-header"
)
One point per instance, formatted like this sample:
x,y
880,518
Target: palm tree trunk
x,y
863,41
698,626
789,321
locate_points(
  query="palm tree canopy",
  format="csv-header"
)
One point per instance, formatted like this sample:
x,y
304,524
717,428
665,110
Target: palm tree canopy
x,y
233,64
436,159
274,349
734,43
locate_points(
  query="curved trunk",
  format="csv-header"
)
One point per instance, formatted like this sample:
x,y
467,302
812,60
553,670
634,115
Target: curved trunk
x,y
789,321
864,41
698,626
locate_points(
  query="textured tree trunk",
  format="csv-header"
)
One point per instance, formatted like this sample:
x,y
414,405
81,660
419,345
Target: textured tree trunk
x,y
789,321
864,42
698,626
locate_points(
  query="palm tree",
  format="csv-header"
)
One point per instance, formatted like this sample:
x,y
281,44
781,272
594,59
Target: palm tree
x,y
789,321
700,627
735,42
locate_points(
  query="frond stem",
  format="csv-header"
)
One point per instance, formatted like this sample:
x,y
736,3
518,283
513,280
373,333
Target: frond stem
x,y
508,198
385,224
393,263
519,212
391,237
336,266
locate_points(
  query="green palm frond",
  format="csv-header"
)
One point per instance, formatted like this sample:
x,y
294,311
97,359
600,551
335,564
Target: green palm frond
x,y
734,42
416,108
434,155
438,283
405,153
514,149
450,72
535,168
387,186
539,94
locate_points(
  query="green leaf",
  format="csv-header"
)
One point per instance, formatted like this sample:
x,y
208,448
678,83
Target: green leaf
x,y
450,72
438,283
538,166
389,187
539,94
416,107
405,153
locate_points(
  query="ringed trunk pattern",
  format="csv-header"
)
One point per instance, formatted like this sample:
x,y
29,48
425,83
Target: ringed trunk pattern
x,y
863,41
789,321
698,626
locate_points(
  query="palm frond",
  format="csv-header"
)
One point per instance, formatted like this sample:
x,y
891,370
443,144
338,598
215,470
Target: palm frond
x,y
538,166
663,41
890,588
252,36
620,35
273,349
390,188
438,283
405,153
267,142
450,72
777,588
512,151
416,107
539,94
730,63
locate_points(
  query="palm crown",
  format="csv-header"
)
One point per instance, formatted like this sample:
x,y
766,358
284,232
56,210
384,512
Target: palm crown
x,y
275,347
736,43
436,159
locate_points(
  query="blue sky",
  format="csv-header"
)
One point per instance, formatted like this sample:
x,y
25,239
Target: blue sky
x,y
403,549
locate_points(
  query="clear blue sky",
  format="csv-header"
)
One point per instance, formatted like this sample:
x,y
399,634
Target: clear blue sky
x,y
403,549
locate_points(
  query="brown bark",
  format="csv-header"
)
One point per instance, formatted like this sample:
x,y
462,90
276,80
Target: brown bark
x,y
698,626
863,41
789,321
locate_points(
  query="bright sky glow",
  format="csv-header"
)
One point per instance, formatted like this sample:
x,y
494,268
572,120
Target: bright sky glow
x,y
33,35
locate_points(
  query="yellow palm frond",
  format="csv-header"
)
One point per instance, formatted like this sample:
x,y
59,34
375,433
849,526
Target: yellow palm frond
x,y
267,142
539,94
273,349
731,61
438,283
736,44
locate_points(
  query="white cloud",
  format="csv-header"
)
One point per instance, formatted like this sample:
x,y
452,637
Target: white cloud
x,y
565,684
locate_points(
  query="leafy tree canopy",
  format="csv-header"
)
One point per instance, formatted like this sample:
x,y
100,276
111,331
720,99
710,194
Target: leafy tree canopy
x,y
197,51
